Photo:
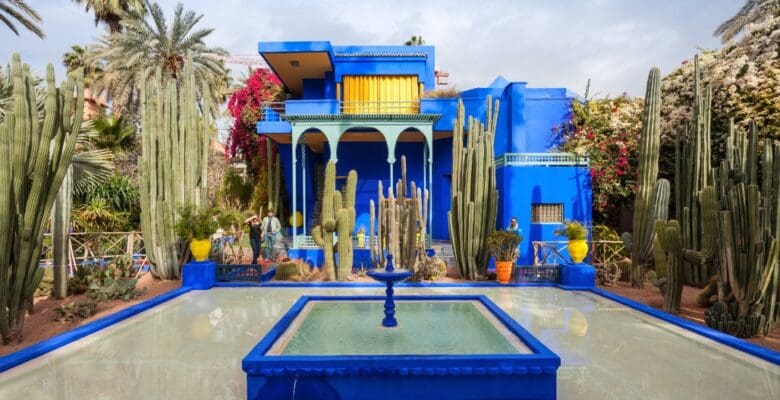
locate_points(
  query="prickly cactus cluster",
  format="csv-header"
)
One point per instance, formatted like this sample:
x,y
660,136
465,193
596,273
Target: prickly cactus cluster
x,y
274,168
173,166
749,240
474,202
36,148
399,227
337,222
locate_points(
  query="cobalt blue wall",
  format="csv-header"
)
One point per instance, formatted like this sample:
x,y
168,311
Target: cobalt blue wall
x,y
519,187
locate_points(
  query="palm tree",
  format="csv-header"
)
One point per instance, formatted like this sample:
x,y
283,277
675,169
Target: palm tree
x,y
111,134
78,58
415,41
23,14
111,12
146,46
753,11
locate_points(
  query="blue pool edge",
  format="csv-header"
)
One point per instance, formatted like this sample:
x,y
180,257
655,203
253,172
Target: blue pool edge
x,y
38,349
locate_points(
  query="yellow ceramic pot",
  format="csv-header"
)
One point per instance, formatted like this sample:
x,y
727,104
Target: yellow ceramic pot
x,y
578,250
361,240
200,249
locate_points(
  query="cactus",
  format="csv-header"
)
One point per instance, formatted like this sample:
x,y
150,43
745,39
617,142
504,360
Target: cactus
x,y
63,206
285,271
474,201
36,149
400,224
173,165
652,195
692,174
749,245
337,216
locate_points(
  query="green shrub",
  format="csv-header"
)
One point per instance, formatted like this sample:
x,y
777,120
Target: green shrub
x,y
502,245
72,311
573,230
97,216
195,224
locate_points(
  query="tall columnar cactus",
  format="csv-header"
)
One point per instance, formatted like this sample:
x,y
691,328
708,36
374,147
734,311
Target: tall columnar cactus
x,y
173,166
337,216
36,148
749,224
474,201
652,196
692,174
400,224
274,171
63,206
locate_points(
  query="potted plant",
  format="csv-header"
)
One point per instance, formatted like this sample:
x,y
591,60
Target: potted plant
x,y
577,234
197,226
361,237
502,245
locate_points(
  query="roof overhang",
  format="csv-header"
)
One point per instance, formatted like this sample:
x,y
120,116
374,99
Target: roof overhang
x,y
295,61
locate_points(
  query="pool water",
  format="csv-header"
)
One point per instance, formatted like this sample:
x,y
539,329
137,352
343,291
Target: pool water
x,y
354,328
191,348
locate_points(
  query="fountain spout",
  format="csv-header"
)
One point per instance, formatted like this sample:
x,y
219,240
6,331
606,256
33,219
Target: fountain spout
x,y
389,275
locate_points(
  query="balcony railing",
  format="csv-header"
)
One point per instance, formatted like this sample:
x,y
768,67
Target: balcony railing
x,y
541,159
380,107
276,110
307,242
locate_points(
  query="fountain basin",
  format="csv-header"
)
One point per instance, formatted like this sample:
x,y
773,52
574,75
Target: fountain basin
x,y
454,347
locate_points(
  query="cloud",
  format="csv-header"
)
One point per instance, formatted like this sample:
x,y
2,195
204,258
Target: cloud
x,y
547,44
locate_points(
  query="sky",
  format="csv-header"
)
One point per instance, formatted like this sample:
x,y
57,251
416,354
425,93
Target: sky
x,y
553,43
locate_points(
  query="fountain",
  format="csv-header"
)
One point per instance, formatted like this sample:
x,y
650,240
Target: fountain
x,y
449,346
389,275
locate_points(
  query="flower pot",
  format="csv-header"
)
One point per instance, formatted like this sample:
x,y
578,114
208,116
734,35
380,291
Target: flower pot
x,y
361,240
200,249
503,271
578,250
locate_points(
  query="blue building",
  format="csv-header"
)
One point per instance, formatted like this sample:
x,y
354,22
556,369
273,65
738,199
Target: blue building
x,y
366,106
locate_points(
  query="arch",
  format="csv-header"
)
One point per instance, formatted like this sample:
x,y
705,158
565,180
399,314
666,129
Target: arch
x,y
314,138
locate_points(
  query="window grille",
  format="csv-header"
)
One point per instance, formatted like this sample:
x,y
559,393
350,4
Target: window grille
x,y
546,213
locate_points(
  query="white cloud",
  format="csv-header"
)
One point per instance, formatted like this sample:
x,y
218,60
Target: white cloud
x,y
552,43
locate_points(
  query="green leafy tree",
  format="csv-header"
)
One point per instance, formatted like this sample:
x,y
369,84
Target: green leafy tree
x,y
18,11
111,12
147,45
752,11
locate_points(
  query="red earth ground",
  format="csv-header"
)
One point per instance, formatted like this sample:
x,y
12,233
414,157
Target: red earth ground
x,y
42,323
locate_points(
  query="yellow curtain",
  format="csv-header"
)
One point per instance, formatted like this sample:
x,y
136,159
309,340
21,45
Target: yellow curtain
x,y
386,94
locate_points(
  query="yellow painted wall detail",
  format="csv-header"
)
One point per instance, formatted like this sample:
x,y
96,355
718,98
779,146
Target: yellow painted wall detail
x,y
385,94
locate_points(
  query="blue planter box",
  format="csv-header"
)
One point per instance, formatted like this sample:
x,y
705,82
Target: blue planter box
x,y
199,275
445,376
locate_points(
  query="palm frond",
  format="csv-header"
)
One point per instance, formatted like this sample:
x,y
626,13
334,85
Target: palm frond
x,y
90,168
23,14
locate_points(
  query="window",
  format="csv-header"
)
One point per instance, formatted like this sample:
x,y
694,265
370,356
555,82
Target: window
x,y
547,213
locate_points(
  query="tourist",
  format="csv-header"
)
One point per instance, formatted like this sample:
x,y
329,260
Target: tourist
x,y
271,227
254,236
514,227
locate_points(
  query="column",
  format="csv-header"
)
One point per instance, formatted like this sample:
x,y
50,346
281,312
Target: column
x,y
303,178
294,197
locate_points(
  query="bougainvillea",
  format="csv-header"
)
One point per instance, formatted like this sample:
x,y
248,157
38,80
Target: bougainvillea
x,y
607,131
246,107
745,79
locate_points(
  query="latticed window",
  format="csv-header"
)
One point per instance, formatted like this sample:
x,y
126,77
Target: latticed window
x,y
546,213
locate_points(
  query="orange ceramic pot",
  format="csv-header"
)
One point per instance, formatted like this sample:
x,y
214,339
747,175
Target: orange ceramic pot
x,y
504,271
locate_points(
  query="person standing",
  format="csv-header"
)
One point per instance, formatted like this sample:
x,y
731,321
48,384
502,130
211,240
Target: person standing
x,y
514,227
255,236
271,227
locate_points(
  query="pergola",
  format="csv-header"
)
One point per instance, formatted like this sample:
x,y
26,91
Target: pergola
x,y
333,126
